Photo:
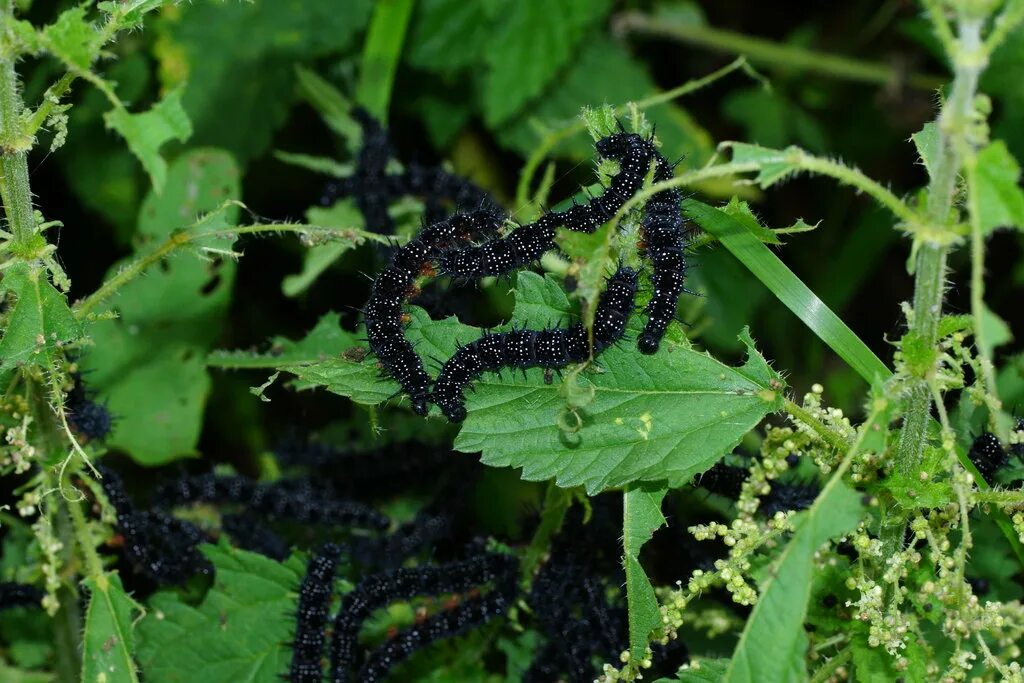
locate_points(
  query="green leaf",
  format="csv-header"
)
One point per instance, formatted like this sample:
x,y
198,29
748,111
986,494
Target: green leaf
x,y
668,416
40,321
927,143
875,665
641,517
253,79
381,52
592,253
11,675
773,644
328,100
772,120
147,132
773,165
788,288
326,340
149,364
529,48
239,632
702,671
109,639
73,39
1000,198
996,331
442,24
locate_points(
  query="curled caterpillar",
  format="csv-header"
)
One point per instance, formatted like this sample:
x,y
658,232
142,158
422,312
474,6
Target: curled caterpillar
x,y
527,243
380,590
373,188
551,348
664,245
383,312
292,499
311,617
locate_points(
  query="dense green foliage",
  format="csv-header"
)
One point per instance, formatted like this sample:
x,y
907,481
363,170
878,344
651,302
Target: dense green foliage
x,y
164,244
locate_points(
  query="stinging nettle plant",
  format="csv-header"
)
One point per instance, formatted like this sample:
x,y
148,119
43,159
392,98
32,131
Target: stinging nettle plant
x,y
858,570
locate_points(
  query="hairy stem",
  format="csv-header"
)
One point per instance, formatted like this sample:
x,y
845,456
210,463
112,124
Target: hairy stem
x,y
17,196
761,51
827,435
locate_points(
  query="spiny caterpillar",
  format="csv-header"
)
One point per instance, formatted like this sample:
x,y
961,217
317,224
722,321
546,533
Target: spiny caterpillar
x,y
292,499
989,456
383,313
381,590
374,188
550,348
86,416
311,617
159,546
664,244
527,243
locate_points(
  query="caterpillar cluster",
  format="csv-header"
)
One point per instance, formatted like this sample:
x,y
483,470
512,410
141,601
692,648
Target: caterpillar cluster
x,y
374,189
311,616
292,499
522,349
157,545
348,663
89,418
989,456
663,243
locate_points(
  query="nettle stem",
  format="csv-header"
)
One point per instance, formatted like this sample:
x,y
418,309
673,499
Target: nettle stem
x,y
930,273
14,160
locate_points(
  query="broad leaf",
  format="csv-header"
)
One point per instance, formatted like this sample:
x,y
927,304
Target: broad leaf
x,y
667,416
109,639
517,69
1000,197
40,321
73,39
343,214
325,341
774,164
875,665
641,517
442,24
147,132
702,671
149,363
773,644
239,632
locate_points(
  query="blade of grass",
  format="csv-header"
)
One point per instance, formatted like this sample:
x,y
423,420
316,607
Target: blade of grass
x,y
788,288
383,47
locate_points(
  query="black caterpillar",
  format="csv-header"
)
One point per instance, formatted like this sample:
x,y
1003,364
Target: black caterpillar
x,y
989,456
158,546
382,589
292,499
255,537
550,348
86,416
663,241
384,318
19,595
374,189
527,243
311,618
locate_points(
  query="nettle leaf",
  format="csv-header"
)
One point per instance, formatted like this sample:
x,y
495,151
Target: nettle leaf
x,y
663,417
875,665
148,131
604,72
149,364
325,341
239,632
641,517
927,143
774,164
441,24
253,80
773,644
73,39
702,671
109,639
517,70
1000,198
592,253
39,322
